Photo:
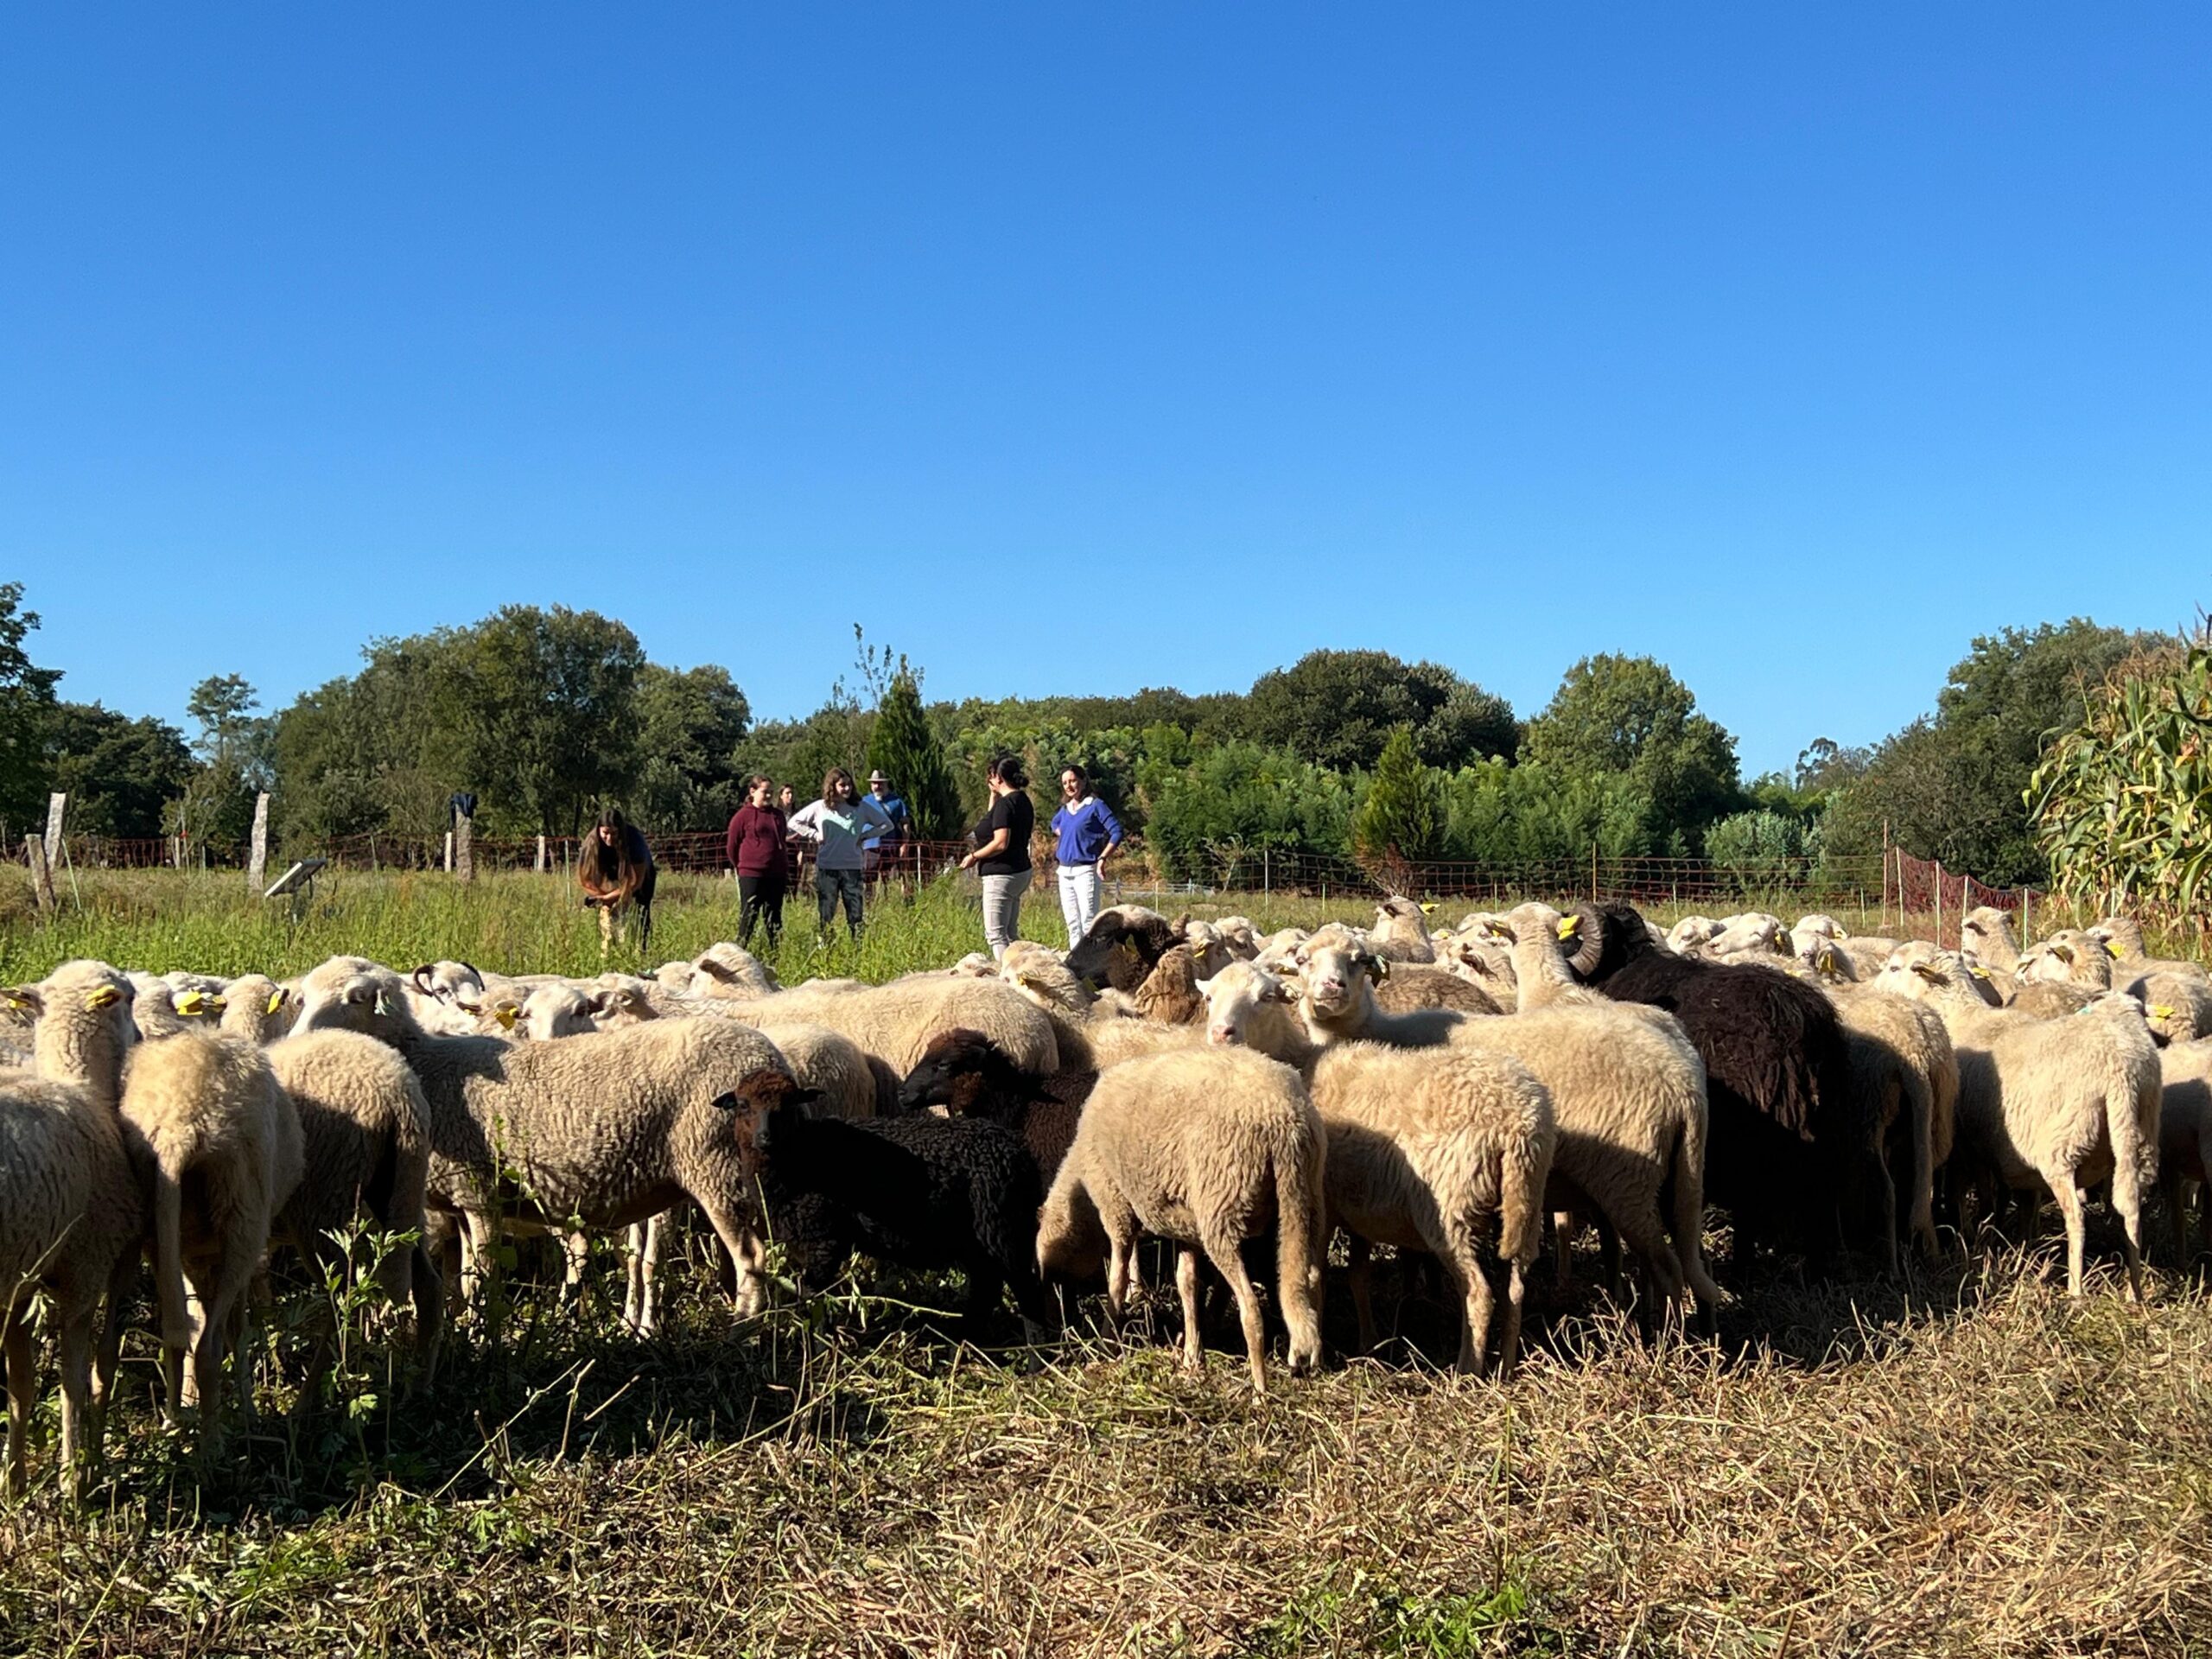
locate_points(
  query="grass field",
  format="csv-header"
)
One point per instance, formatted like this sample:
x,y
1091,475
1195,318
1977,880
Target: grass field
x,y
1968,1465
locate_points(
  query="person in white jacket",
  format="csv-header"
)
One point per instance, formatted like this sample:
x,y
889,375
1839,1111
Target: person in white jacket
x,y
836,825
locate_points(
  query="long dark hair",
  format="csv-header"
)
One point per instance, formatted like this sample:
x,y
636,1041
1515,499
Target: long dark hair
x,y
607,867
1008,769
831,777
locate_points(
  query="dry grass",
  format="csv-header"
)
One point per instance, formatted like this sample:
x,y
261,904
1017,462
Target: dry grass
x,y
1999,1472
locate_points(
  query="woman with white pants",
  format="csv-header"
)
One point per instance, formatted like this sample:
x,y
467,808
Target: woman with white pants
x,y
1003,858
1090,835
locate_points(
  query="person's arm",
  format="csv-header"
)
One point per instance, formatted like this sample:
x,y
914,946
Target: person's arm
x,y
872,810
806,822
995,845
729,843
1113,834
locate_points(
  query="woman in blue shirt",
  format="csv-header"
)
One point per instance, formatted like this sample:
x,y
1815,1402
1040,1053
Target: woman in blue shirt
x,y
1090,835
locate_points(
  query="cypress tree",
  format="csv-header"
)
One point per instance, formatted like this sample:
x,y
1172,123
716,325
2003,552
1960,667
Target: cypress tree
x,y
905,749
1402,817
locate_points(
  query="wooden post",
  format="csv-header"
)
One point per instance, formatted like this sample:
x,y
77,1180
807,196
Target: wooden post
x,y
1939,904
1593,872
449,852
257,863
41,873
464,849
539,867
56,806
2025,900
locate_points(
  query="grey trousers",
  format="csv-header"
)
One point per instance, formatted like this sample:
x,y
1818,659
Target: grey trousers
x,y
1002,909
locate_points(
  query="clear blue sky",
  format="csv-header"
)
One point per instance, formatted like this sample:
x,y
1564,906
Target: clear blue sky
x,y
1078,349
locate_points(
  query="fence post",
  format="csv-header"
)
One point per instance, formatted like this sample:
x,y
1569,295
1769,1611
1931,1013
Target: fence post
x,y
41,873
1267,875
464,849
2025,900
56,806
257,863
449,852
1939,904
539,867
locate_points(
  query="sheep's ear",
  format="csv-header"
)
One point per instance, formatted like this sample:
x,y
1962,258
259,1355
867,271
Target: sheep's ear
x,y
1204,986
1274,990
25,998
422,984
506,1014
1379,967
2063,953
1825,961
276,998
1977,970
1930,971
803,1096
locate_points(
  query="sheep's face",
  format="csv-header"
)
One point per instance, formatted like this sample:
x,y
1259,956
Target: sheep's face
x,y
1919,970
352,994
950,1074
1072,1241
762,1109
1337,979
78,994
455,985
1825,927
1237,1000
552,1011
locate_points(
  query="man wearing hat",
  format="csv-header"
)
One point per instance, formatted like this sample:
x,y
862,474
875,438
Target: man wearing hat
x,y
884,849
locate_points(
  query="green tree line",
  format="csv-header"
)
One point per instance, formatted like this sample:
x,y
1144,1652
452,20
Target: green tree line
x,y
545,714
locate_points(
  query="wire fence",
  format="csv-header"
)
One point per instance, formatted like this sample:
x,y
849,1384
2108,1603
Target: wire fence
x,y
1924,898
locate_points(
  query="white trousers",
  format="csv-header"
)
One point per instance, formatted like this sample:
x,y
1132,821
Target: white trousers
x,y
1081,888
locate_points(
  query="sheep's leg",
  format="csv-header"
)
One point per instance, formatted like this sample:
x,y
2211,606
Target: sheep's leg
x,y
2129,1202
1117,1278
1509,1347
1187,1287
2177,1218
1229,1262
15,1343
748,1251
2069,1206
577,1249
121,1282
1885,1196
1360,1275
1563,1226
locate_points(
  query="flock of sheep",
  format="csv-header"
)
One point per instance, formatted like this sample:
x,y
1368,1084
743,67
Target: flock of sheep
x,y
1029,1120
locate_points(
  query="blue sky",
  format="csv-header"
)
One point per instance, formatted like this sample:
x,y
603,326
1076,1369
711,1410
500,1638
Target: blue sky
x,y
1083,349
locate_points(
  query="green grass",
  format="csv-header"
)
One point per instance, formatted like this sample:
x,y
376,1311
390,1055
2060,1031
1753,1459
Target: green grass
x,y
1968,1465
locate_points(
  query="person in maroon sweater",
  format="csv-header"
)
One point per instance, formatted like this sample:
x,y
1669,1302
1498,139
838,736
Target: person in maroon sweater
x,y
755,847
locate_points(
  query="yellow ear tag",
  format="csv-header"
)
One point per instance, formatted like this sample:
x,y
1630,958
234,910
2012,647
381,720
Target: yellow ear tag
x,y
15,1002
1428,910
106,996
1827,962
2159,1010
276,1000
1978,973
1569,926
2112,945
190,1003
216,1005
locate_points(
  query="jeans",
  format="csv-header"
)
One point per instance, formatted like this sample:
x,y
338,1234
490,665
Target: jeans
x,y
1081,887
760,899
828,884
1002,909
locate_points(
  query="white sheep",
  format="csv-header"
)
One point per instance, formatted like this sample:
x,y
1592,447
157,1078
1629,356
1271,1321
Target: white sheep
x,y
71,1213
257,1009
1690,935
1436,1153
2185,1138
599,1130
1985,937
727,969
224,1144
2122,938
1401,929
1338,1000
2061,1103
2179,1005
896,1022
1207,1148
365,1143
447,996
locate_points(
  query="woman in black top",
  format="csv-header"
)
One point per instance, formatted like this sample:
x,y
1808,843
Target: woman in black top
x,y
1003,858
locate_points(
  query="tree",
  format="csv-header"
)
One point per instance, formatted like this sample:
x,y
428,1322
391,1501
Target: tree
x,y
1336,709
1951,786
26,705
1629,715
545,705
119,773
1402,817
224,706
690,723
905,749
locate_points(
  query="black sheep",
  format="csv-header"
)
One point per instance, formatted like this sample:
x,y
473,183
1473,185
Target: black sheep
x,y
1124,944
922,1191
1787,1138
971,1076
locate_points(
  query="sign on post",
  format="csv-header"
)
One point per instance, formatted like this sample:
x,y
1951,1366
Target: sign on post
x,y
56,807
257,859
